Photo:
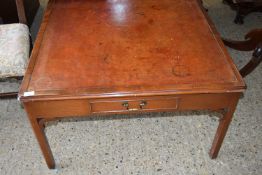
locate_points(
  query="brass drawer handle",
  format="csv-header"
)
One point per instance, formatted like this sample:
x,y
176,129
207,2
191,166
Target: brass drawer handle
x,y
126,105
142,104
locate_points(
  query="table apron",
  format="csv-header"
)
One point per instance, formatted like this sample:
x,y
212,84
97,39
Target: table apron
x,y
84,107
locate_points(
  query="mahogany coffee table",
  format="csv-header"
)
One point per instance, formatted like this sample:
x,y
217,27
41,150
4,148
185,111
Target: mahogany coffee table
x,y
127,56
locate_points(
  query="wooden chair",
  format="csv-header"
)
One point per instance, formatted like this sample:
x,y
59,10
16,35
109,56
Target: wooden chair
x,y
243,8
14,49
253,42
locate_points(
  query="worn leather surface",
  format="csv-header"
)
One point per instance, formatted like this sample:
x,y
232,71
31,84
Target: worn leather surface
x,y
118,46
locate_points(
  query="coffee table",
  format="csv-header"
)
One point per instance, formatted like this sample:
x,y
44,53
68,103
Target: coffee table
x,y
124,57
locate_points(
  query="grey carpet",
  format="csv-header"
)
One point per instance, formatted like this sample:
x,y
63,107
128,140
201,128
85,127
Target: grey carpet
x,y
159,143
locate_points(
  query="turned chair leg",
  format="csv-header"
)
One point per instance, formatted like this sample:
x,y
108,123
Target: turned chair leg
x,y
239,19
254,62
242,11
253,42
243,8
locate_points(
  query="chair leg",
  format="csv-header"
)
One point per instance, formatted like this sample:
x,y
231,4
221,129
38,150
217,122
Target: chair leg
x,y
239,45
254,62
243,9
252,39
9,78
253,42
8,95
5,95
241,13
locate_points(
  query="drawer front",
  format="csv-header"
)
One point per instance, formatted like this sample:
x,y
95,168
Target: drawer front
x,y
147,104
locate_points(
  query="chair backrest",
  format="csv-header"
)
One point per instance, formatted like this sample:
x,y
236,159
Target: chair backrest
x,y
21,11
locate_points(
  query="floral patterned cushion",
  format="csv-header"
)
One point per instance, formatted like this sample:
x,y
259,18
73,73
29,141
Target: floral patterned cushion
x,y
14,49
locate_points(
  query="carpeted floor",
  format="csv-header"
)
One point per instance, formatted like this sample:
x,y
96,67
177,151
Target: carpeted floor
x,y
159,143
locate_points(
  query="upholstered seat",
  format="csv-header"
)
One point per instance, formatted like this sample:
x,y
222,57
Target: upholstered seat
x,y
14,49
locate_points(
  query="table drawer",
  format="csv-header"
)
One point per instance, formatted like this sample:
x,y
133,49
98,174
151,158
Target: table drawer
x,y
147,104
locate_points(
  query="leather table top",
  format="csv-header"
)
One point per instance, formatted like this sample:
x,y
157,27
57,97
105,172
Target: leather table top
x,y
117,47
